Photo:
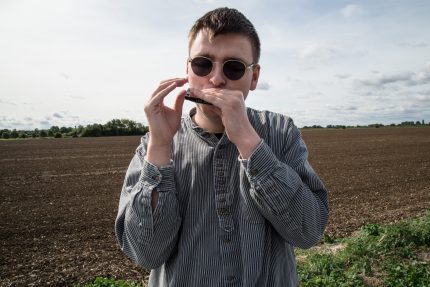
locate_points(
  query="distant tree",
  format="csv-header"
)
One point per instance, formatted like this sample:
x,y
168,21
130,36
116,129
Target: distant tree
x,y
5,134
58,135
22,135
54,129
65,130
94,130
3,131
407,123
377,125
43,134
14,134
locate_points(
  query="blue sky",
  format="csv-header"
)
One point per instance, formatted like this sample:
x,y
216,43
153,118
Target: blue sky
x,y
71,62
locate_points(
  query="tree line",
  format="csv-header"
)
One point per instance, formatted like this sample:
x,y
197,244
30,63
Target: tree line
x,y
125,127
377,125
115,127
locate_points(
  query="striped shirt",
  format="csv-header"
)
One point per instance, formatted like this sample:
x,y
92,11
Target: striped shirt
x,y
221,220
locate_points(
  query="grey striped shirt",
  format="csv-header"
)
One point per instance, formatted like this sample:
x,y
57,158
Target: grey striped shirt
x,y
220,220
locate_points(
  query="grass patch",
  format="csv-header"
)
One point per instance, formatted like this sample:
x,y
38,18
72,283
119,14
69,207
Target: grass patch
x,y
394,255
110,282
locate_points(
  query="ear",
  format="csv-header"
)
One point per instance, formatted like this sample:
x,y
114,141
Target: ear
x,y
186,67
255,76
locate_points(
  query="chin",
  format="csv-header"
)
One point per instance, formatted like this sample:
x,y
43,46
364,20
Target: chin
x,y
209,111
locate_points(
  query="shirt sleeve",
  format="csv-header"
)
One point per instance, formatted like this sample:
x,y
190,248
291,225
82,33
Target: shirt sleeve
x,y
287,191
147,236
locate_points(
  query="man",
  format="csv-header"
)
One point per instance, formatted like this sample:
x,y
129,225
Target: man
x,y
221,196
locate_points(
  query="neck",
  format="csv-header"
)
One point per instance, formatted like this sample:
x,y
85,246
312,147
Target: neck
x,y
209,124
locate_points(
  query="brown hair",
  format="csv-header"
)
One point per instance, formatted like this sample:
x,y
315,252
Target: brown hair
x,y
224,21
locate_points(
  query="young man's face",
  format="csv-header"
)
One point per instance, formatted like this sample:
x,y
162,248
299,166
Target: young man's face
x,y
219,49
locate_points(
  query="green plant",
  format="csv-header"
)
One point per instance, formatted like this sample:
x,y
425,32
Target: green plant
x,y
410,274
388,254
111,282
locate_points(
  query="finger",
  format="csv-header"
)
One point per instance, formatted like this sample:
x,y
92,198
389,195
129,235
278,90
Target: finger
x,y
179,102
180,82
212,96
158,97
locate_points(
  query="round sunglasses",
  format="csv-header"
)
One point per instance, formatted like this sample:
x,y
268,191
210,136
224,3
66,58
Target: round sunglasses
x,y
232,69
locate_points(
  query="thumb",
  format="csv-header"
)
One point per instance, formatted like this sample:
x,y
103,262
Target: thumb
x,y
179,102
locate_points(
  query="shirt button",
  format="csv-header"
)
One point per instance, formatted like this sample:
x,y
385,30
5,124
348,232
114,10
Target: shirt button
x,y
222,211
156,177
226,240
231,277
253,172
221,173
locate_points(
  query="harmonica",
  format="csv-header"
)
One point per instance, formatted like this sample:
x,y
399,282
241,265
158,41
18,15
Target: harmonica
x,y
196,100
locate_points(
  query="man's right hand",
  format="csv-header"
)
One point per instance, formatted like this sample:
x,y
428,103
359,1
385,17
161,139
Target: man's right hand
x,y
163,121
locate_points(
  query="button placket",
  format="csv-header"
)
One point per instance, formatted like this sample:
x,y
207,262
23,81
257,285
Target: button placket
x,y
230,252
223,200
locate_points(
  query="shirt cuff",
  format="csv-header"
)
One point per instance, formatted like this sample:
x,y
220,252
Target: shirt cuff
x,y
160,178
245,161
261,163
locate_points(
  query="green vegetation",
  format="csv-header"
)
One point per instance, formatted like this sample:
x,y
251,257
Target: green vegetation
x,y
114,127
125,127
395,255
110,282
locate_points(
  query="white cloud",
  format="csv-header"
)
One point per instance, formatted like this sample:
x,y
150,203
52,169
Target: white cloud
x,y
263,85
351,10
342,76
7,102
319,50
414,45
384,79
407,78
101,59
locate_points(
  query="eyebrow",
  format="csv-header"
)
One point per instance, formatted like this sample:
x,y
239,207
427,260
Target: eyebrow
x,y
207,55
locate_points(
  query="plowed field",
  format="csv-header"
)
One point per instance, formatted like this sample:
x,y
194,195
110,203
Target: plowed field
x,y
59,197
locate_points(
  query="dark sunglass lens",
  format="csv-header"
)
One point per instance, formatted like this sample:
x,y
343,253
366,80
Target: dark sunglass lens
x,y
201,66
234,70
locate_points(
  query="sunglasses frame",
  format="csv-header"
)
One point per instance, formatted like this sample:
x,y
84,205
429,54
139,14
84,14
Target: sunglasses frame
x,y
252,65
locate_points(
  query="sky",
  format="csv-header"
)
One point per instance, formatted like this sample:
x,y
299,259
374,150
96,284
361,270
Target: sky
x,y
78,62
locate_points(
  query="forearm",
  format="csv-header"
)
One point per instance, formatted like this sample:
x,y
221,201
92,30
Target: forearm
x,y
298,212
159,154
248,142
148,235
149,238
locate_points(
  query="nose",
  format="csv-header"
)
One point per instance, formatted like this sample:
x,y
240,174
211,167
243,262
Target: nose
x,y
216,77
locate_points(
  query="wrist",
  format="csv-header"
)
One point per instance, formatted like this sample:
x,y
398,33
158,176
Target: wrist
x,y
248,145
158,155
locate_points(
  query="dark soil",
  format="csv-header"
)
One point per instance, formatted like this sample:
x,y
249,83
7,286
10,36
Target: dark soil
x,y
59,197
